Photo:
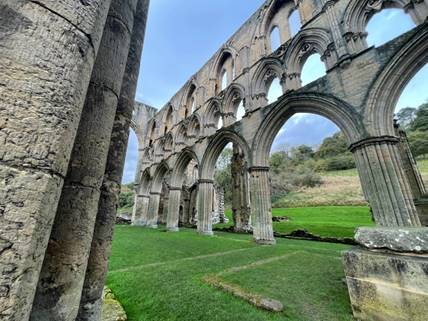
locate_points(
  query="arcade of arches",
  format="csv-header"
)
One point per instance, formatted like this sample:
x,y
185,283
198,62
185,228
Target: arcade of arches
x,y
68,101
358,93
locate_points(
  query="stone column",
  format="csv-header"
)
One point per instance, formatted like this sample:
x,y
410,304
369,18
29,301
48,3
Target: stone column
x,y
47,53
240,192
205,195
141,210
63,272
173,209
384,182
96,272
261,208
153,211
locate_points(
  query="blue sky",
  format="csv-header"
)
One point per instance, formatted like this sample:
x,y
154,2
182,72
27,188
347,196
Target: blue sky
x,y
183,34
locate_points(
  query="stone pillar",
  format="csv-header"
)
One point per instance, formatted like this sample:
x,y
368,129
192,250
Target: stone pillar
x,y
240,192
96,272
163,204
205,195
173,209
141,210
384,182
62,276
340,45
414,177
221,214
153,211
261,208
47,53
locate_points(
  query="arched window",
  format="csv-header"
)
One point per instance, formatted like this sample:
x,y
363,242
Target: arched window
x,y
131,158
294,22
240,112
193,105
275,38
190,101
224,71
220,123
387,25
168,120
224,79
313,69
275,90
152,134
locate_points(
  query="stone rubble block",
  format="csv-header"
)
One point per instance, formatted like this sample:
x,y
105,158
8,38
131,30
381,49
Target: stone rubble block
x,y
385,286
414,240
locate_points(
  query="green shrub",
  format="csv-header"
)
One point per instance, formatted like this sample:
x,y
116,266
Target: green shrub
x,y
335,163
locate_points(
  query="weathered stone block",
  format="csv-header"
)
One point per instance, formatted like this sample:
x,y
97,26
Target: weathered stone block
x,y
384,286
396,239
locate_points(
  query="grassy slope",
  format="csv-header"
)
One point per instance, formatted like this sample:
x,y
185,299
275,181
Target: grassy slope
x,y
334,221
165,279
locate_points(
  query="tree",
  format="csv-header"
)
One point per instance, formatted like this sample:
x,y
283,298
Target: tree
x,y
406,116
301,154
420,123
418,141
333,146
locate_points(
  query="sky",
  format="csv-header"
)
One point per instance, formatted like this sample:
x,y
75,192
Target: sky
x,y
182,35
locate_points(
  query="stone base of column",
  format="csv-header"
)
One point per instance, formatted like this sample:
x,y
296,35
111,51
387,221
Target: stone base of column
x,y
173,229
152,226
139,223
206,233
384,281
265,242
243,229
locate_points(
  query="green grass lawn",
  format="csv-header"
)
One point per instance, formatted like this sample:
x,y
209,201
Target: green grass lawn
x,y
333,221
158,276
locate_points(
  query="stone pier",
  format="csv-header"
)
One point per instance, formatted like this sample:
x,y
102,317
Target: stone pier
x,y
261,208
205,196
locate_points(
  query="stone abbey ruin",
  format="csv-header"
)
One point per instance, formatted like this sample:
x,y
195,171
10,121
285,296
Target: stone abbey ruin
x,y
67,88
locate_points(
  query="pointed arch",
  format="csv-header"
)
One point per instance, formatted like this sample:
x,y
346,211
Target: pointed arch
x,y
145,182
168,119
358,13
179,169
276,14
339,112
168,142
216,145
267,70
234,94
213,113
306,43
181,135
195,126
160,173
391,81
221,63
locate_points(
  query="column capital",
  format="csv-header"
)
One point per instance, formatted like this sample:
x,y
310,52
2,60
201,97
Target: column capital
x,y
155,193
373,141
259,169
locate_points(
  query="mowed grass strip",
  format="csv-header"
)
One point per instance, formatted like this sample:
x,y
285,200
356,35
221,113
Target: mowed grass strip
x,y
308,283
326,221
